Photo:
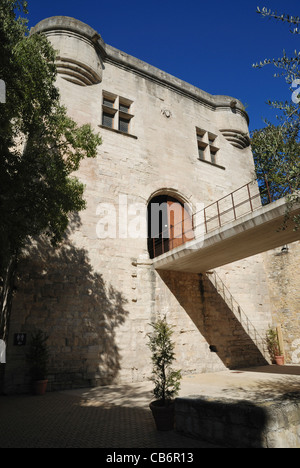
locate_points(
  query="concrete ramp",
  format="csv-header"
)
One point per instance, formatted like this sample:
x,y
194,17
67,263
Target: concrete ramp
x,y
248,235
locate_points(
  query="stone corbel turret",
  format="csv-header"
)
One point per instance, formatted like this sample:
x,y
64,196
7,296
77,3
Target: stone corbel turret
x,y
80,49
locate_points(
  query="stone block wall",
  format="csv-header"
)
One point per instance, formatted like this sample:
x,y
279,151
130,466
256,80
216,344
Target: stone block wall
x,y
97,296
219,340
98,333
240,424
59,292
282,267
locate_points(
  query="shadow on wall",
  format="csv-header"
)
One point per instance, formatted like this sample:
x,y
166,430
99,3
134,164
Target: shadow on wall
x,y
228,423
267,423
59,292
214,319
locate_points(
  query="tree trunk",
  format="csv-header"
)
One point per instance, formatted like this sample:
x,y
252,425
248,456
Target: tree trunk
x,y
6,294
8,276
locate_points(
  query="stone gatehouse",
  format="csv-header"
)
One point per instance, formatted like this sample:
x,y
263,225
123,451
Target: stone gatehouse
x,y
163,139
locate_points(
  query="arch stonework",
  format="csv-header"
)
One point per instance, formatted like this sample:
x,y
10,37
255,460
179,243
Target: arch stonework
x,y
170,222
176,191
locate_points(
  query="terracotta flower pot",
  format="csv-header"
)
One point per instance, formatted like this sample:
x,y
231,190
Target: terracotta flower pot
x,y
40,387
164,415
279,360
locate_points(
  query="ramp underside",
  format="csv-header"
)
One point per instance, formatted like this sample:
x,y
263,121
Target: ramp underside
x,y
257,232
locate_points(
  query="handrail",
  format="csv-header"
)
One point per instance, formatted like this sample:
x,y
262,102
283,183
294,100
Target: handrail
x,y
215,215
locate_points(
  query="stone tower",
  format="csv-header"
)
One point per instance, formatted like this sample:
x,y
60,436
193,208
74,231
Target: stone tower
x,y
163,139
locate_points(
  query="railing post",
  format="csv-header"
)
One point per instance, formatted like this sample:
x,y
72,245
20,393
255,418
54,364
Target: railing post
x,y
171,236
219,217
232,199
250,200
205,222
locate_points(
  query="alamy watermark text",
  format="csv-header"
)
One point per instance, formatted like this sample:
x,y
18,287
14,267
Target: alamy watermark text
x,y
296,93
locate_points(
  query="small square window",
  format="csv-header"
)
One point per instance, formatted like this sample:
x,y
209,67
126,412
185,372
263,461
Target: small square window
x,y
213,154
200,134
116,112
201,153
108,102
107,120
124,107
123,125
207,149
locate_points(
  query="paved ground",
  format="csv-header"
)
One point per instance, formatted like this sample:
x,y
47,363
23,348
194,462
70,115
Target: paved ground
x,y
119,416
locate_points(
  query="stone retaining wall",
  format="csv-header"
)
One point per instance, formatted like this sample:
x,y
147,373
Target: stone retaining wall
x,y
241,424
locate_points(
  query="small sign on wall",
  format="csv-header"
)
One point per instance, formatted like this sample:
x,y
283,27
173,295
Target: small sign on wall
x,y
19,339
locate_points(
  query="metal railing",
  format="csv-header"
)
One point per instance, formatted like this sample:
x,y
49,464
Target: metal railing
x,y
236,204
242,201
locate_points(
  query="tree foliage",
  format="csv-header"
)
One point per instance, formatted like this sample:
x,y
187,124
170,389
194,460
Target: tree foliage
x,y
272,343
288,65
40,146
276,148
166,380
276,151
285,18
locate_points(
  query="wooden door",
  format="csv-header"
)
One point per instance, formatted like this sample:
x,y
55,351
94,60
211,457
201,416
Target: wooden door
x,y
169,226
180,224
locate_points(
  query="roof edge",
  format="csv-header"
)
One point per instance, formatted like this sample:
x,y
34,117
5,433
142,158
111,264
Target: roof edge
x,y
109,53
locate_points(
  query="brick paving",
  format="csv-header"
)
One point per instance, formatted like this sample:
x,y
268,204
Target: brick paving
x,y
65,420
119,416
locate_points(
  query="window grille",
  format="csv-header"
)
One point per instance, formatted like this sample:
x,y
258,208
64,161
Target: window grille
x,y
108,102
124,107
123,125
207,149
116,112
107,120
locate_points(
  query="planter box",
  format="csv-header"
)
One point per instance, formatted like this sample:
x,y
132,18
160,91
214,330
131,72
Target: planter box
x,y
40,387
163,416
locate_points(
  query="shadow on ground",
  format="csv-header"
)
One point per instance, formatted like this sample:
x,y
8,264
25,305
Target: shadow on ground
x,y
61,420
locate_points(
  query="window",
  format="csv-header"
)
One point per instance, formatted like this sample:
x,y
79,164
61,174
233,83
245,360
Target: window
x,y
213,150
207,149
116,113
201,144
123,125
108,102
124,107
213,154
108,110
107,119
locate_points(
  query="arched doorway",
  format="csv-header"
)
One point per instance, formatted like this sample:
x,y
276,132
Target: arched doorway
x,y
169,225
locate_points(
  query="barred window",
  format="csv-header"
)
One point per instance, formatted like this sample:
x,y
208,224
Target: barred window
x,y
207,149
108,102
124,107
116,112
107,120
123,125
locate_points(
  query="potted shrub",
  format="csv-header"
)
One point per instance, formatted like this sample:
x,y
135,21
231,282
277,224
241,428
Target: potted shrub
x,y
166,380
274,347
38,358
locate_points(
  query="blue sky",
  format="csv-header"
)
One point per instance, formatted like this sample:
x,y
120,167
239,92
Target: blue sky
x,y
210,44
